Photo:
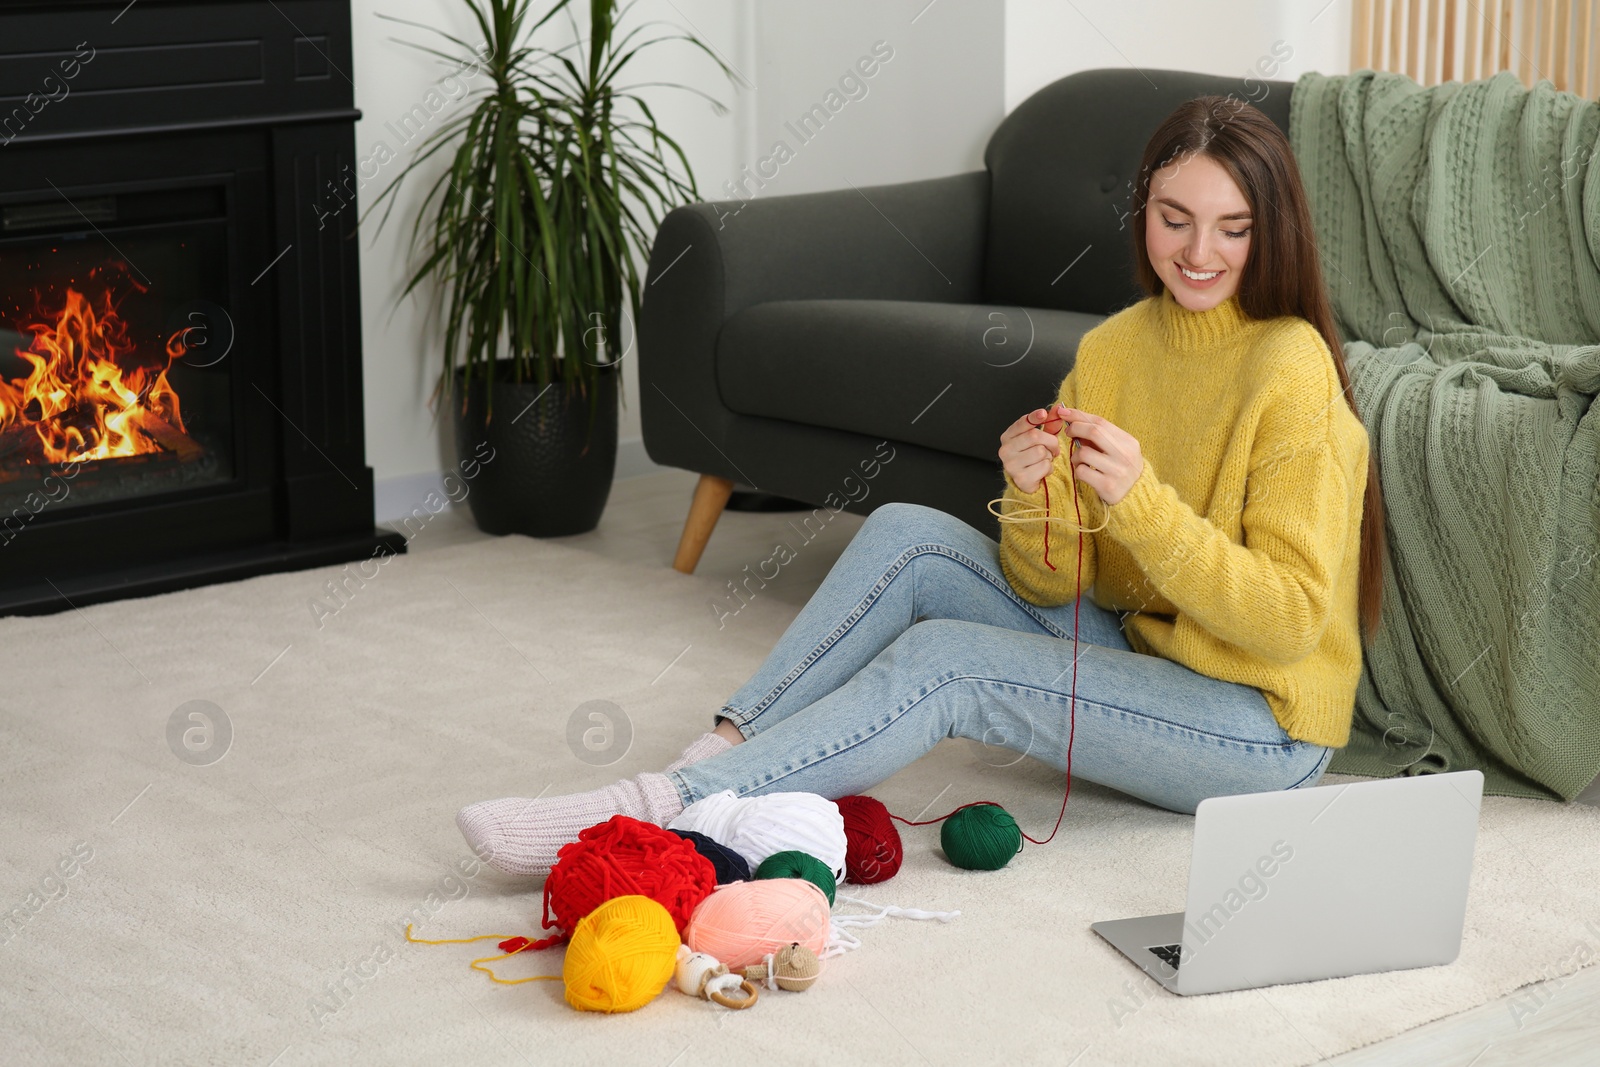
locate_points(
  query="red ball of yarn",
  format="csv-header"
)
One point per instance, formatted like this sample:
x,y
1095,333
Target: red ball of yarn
x,y
621,857
872,844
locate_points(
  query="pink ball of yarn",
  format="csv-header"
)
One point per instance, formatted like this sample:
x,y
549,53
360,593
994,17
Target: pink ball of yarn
x,y
739,923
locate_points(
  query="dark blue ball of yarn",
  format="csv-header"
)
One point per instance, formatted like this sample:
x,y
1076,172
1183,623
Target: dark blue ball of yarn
x,y
731,867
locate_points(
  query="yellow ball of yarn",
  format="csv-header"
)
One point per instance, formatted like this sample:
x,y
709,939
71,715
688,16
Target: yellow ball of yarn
x,y
622,954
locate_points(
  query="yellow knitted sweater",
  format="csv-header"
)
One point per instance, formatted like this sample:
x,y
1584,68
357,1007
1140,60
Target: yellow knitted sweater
x,y
1237,550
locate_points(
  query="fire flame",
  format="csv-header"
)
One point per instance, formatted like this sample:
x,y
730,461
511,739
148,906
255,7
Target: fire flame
x,y
80,399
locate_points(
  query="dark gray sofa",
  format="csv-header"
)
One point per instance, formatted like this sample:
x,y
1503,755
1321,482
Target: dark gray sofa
x,y
782,338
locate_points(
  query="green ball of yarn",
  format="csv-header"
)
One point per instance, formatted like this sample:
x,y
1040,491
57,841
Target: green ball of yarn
x,y
983,837
797,864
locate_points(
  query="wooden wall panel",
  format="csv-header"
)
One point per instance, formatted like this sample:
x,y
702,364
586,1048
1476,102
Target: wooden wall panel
x,y
1450,40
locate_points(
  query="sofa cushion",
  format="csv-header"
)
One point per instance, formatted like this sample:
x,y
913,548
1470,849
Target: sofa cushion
x,y
947,376
1062,168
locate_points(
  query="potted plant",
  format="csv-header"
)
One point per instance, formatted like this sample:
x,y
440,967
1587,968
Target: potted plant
x,y
529,235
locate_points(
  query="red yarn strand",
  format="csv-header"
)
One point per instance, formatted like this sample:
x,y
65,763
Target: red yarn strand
x,y
1072,705
1046,484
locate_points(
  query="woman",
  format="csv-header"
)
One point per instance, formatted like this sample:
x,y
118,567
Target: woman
x,y
1234,549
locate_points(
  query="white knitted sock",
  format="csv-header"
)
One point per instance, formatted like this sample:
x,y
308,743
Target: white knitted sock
x,y
705,746
521,836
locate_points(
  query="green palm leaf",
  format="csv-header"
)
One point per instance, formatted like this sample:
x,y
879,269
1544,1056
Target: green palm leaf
x,y
527,237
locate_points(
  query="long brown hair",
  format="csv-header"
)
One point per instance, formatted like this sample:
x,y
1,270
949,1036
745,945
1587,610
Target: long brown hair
x,y
1282,274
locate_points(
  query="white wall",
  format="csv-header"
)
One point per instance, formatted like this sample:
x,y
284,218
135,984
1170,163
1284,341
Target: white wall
x,y
1047,39
935,94
954,69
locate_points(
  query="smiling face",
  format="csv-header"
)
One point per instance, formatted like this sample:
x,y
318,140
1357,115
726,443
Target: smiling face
x,y
1197,220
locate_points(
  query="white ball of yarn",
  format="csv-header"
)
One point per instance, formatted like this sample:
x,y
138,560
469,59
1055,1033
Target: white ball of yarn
x,y
761,826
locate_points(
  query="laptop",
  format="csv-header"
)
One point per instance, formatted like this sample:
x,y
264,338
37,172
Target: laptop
x,y
1302,884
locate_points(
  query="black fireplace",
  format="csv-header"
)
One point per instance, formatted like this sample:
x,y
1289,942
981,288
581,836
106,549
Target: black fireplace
x,y
180,342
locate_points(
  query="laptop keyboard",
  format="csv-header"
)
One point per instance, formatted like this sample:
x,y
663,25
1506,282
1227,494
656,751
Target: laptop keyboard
x,y
1168,954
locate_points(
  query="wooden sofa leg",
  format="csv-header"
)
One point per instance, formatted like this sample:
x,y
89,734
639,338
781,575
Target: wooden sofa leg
x,y
710,497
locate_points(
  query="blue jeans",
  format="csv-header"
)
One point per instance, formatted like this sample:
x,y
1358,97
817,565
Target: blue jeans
x,y
854,691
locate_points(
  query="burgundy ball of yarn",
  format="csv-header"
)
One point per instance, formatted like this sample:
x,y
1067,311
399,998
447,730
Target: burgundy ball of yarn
x,y
872,844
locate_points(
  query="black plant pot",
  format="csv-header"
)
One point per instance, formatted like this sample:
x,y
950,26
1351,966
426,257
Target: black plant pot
x,y
550,470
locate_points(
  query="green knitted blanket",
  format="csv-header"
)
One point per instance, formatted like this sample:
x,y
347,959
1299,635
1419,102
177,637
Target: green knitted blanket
x,y
1459,228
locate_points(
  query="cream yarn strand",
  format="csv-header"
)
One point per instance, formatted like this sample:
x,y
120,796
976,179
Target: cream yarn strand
x,y
1034,513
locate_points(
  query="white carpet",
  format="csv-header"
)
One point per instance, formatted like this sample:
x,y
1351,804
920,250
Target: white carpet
x,y
222,901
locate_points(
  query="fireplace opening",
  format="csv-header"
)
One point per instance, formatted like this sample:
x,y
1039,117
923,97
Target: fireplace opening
x,y
116,348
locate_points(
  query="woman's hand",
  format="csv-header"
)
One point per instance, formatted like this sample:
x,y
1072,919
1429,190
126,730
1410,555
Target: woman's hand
x,y
1106,457
1029,446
